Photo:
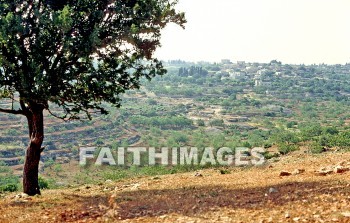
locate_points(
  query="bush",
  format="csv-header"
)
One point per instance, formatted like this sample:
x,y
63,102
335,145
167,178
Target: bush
x,y
99,142
316,148
291,124
57,168
287,148
217,123
43,183
9,183
269,155
200,122
5,169
9,187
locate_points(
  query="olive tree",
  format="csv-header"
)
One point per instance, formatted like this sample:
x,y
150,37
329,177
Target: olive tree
x,y
75,55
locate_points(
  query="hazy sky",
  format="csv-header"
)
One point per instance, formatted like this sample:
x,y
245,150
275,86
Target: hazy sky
x,y
292,31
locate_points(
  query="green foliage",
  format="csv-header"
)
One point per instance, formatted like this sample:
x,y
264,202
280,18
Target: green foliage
x,y
49,163
99,142
11,132
55,52
310,130
224,171
57,168
316,148
281,137
179,137
269,155
9,183
162,122
43,183
5,169
285,148
291,124
217,123
152,102
200,122
9,188
115,175
216,141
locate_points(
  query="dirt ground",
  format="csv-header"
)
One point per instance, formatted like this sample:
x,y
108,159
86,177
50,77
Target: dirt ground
x,y
254,194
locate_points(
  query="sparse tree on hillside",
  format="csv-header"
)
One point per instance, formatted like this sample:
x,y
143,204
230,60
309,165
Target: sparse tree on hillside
x,y
75,55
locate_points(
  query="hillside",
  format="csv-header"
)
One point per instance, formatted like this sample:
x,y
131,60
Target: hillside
x,y
251,194
205,104
298,113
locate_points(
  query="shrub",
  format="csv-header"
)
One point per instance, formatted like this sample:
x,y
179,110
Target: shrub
x,y
287,148
316,147
43,183
269,155
9,183
9,187
217,122
291,124
57,168
200,122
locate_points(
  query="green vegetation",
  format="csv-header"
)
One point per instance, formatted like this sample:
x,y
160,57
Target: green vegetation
x,y
69,59
9,183
275,106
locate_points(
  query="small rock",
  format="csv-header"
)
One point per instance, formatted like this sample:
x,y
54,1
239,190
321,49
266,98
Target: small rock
x,y
135,186
198,175
272,190
285,173
108,181
19,201
346,214
296,219
287,215
162,216
340,169
22,195
323,172
106,189
298,171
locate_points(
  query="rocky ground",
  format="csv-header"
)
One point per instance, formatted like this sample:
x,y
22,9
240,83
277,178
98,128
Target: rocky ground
x,y
298,188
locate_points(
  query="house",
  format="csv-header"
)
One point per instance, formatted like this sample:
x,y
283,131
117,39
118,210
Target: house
x,y
226,61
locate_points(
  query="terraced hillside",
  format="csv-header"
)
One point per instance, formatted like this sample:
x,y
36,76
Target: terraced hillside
x,y
280,107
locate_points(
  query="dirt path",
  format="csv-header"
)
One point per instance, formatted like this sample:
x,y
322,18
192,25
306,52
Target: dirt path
x,y
256,194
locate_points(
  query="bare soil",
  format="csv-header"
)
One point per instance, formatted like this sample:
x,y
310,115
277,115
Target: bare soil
x,y
250,194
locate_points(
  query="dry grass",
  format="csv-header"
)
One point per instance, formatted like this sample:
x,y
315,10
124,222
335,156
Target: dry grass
x,y
243,195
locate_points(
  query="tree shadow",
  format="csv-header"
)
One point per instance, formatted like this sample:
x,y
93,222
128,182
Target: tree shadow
x,y
191,201
61,208
185,201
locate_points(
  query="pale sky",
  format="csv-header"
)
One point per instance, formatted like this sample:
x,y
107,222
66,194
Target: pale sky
x,y
291,31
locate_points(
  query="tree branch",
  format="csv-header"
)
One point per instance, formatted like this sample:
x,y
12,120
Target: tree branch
x,y
14,112
64,118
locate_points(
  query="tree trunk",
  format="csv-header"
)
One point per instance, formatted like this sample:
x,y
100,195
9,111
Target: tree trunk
x,y
36,134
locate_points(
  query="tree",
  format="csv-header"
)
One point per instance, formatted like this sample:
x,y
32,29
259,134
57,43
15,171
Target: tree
x,y
75,55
